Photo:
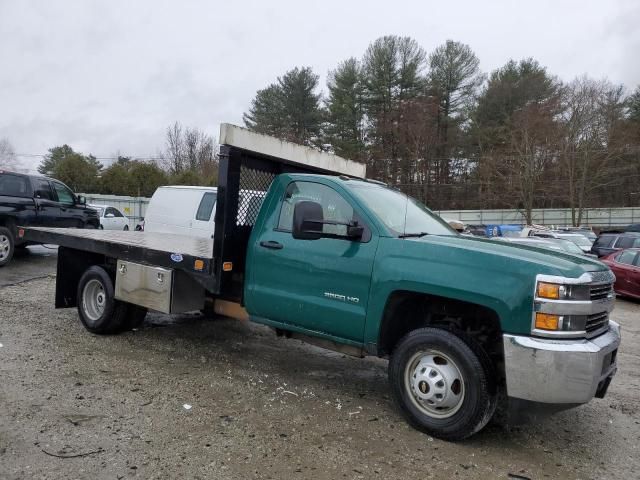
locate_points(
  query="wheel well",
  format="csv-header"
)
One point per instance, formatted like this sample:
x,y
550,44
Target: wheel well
x,y
72,264
9,223
407,311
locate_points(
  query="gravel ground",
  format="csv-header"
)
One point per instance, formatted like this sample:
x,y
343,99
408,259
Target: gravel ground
x,y
75,405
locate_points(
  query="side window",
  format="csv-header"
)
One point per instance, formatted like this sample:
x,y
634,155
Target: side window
x,y
112,211
64,194
42,189
624,242
206,207
14,186
334,207
626,257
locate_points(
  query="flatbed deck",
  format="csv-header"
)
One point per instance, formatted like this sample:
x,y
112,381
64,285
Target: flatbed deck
x,y
160,249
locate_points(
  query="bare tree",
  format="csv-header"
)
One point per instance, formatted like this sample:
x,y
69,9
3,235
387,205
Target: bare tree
x,y
189,149
8,158
593,115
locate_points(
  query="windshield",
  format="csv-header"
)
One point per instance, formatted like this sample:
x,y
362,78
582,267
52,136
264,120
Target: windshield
x,y
570,247
403,215
577,239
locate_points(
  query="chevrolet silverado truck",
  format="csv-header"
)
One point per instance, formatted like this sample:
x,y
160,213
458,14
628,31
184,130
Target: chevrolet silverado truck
x,y
355,266
32,200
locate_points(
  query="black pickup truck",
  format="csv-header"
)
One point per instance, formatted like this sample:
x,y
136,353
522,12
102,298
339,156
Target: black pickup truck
x,y
29,200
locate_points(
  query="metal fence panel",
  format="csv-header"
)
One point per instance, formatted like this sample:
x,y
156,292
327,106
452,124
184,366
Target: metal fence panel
x,y
134,208
595,217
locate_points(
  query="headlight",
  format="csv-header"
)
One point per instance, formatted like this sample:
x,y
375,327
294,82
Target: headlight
x,y
560,323
556,291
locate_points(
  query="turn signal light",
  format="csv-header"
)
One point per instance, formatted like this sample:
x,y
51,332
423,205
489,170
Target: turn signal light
x,y
545,321
227,266
548,290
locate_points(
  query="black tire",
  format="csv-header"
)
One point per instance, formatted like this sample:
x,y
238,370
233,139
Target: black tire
x,y
135,316
476,387
126,228
99,311
7,246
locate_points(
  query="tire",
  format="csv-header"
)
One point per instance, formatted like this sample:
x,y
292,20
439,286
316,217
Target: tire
x,y
99,311
7,246
444,383
100,227
135,316
126,228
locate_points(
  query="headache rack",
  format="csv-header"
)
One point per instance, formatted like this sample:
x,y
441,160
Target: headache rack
x,y
249,162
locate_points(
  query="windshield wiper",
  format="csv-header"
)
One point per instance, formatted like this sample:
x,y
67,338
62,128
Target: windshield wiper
x,y
412,235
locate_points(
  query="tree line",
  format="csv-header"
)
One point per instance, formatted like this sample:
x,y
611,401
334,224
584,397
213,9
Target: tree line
x,y
189,157
434,125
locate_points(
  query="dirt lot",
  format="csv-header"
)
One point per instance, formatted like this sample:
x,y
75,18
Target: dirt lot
x,y
261,407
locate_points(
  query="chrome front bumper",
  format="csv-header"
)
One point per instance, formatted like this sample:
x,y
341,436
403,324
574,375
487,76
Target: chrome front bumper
x,y
560,371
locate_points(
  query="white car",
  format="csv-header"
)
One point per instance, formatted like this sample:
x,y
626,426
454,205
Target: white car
x,y
111,218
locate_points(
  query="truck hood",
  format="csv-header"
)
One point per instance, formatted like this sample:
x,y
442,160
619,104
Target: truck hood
x,y
560,263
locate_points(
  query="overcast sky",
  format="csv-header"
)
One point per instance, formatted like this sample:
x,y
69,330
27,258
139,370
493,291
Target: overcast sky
x,y
110,76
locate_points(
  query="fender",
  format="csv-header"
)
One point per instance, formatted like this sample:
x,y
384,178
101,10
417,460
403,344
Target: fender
x,y
497,276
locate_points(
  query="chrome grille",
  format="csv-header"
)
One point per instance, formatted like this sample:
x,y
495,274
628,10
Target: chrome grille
x,y
597,322
597,292
602,276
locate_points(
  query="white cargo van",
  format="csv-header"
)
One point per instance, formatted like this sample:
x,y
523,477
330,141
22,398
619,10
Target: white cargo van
x,y
191,210
183,210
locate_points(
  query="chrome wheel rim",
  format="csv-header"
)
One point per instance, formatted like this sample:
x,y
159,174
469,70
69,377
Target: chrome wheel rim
x,y
94,299
434,384
5,247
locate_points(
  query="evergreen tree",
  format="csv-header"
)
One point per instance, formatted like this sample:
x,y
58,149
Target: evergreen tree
x,y
454,78
289,109
56,154
633,106
393,79
345,110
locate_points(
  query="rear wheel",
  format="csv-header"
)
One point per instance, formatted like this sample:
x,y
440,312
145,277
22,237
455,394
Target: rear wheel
x,y
444,384
7,246
136,316
99,311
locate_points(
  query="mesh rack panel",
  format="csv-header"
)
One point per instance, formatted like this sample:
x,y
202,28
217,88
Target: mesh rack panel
x,y
253,188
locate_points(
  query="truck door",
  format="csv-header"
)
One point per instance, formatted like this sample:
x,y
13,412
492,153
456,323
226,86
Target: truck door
x,y
71,214
47,208
321,285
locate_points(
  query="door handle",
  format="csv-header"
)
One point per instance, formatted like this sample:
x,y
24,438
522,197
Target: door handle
x,y
271,244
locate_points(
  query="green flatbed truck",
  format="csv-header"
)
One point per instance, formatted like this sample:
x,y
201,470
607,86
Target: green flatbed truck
x,y
355,266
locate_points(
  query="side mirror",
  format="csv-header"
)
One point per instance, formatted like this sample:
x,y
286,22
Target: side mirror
x,y
81,200
307,221
355,231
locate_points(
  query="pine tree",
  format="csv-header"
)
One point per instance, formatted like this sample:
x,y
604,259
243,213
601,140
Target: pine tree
x,y
393,78
289,109
345,110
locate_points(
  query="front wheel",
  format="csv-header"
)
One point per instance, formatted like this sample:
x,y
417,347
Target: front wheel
x,y
444,385
7,246
126,228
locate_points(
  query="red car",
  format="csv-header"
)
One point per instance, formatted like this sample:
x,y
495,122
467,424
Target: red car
x,y
626,266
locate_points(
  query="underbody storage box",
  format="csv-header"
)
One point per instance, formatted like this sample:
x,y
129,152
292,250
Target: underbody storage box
x,y
158,288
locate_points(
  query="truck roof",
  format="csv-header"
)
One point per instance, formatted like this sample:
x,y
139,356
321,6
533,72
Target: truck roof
x,y
287,152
